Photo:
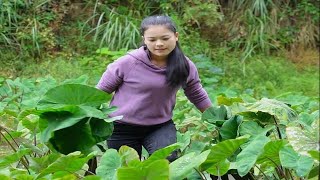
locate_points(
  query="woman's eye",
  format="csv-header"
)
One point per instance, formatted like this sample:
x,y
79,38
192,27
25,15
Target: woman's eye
x,y
152,40
165,39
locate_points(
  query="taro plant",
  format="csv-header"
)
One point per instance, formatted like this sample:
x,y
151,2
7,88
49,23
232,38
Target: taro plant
x,y
270,148
74,110
125,164
68,119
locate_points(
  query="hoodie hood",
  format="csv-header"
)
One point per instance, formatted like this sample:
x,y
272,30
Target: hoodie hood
x,y
142,54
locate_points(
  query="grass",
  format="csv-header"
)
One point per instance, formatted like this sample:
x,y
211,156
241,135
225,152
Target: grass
x,y
269,75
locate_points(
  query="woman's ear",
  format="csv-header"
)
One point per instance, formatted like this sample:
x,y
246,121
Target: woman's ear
x,y
176,34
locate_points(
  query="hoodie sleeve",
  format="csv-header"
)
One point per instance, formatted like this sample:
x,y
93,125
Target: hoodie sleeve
x,y
194,90
114,75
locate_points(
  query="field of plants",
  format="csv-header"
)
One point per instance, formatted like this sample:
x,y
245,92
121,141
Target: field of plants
x,y
257,59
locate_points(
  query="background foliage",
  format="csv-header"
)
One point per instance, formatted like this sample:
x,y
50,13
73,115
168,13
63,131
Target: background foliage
x,y
241,37
256,57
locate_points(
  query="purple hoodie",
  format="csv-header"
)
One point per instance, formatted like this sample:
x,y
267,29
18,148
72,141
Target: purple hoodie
x,y
141,93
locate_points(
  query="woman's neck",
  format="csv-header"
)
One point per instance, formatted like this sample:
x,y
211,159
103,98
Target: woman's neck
x,y
158,61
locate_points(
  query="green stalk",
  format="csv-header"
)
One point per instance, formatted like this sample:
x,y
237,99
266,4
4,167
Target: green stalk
x,y
24,160
262,172
278,130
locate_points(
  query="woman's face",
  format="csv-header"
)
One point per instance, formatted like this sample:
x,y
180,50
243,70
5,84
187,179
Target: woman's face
x,y
160,41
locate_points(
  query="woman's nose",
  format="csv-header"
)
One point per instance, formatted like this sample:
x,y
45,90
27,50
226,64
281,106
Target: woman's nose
x,y
159,43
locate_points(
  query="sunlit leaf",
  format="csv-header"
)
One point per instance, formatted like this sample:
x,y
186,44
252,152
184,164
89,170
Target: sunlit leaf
x,y
223,100
12,158
157,170
92,177
315,154
127,154
280,110
183,166
304,140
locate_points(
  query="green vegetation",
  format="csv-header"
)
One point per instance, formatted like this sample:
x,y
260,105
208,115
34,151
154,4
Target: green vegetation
x,y
49,126
258,60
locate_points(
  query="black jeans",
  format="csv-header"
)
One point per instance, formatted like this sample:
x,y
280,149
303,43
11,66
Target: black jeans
x,y
151,138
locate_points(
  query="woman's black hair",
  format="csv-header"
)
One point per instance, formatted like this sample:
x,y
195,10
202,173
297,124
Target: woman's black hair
x,y
177,70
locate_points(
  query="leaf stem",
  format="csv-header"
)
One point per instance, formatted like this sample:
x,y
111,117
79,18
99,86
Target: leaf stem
x,y
262,172
201,174
24,160
277,126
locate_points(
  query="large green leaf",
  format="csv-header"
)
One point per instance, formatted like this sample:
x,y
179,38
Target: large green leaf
x,y
65,117
270,155
70,164
272,107
75,138
157,170
110,162
70,119
75,94
248,156
292,160
229,129
183,166
222,151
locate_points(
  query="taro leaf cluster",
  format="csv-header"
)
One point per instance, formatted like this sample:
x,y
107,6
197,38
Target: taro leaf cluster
x,y
266,124
72,117
125,164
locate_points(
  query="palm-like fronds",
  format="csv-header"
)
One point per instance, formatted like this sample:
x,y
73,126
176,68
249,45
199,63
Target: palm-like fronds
x,y
115,31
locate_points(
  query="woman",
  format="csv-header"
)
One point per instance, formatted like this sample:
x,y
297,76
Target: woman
x,y
145,83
